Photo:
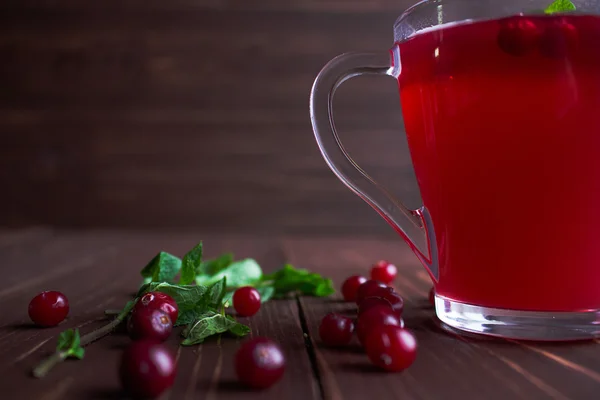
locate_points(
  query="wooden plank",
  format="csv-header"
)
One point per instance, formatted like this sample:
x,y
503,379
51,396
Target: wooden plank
x,y
447,365
205,370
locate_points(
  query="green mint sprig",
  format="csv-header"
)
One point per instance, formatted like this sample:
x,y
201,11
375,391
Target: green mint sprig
x,y
69,345
560,6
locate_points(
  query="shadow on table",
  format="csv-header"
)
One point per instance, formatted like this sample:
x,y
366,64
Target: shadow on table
x,y
106,394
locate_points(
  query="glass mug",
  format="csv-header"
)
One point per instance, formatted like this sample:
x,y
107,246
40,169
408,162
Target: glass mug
x,y
499,103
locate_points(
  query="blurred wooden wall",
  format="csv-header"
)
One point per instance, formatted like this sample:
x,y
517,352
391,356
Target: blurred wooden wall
x,y
190,113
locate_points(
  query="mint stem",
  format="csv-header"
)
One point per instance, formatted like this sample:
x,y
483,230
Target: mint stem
x,y
110,312
46,365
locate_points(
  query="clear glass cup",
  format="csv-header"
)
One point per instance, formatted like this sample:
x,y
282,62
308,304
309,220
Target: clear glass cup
x,y
499,101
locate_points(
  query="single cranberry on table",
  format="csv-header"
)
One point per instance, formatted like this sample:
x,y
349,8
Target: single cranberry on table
x,y
369,289
259,363
246,301
350,287
375,316
147,369
149,323
384,271
391,348
518,36
336,330
559,39
48,308
161,301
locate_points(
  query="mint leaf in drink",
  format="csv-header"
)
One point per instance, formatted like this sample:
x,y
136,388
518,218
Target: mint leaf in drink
x,y
212,323
190,262
69,341
162,268
239,273
558,6
214,266
297,280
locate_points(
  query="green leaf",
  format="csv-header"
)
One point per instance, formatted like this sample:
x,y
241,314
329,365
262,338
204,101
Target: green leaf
x,y
292,280
228,298
162,268
191,261
211,323
211,300
560,6
211,267
215,293
240,273
238,329
266,293
186,296
69,342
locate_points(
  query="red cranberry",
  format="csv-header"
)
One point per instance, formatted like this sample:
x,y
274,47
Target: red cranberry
x,y
147,369
350,287
391,347
371,302
378,315
395,300
336,330
518,36
432,296
149,323
369,289
48,308
159,300
259,363
246,301
559,39
384,272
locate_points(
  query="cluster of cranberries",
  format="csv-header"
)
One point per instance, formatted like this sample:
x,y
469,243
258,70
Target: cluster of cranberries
x,y
147,366
521,35
379,325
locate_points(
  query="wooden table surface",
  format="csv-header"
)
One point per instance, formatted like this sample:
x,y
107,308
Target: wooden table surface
x,y
98,270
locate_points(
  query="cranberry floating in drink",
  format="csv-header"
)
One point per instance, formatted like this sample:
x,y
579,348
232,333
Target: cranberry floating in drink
x,y
499,101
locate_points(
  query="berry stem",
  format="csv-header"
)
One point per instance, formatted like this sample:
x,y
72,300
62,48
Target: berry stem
x,y
46,365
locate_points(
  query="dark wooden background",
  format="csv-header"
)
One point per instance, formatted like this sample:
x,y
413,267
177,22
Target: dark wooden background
x,y
190,113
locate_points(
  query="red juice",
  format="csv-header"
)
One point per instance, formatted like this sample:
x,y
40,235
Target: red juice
x,y
503,124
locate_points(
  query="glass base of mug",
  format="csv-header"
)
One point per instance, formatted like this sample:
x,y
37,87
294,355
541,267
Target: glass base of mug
x,y
519,325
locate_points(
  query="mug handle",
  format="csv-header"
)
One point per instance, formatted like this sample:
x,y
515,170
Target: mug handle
x,y
415,226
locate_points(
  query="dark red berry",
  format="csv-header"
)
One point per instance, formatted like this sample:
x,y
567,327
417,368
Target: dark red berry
x,y
375,316
432,296
391,347
161,301
371,302
336,330
350,287
518,36
246,301
147,369
149,323
395,300
384,272
559,39
48,308
369,289
259,363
